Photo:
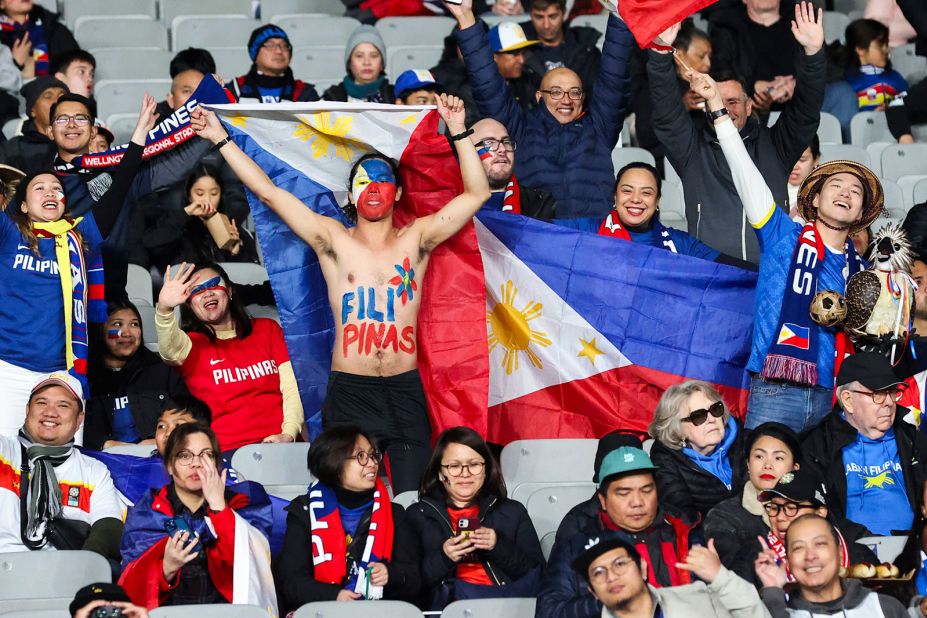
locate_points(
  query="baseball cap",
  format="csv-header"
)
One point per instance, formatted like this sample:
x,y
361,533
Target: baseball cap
x,y
797,486
101,591
105,131
610,442
622,461
599,544
62,379
870,369
414,79
508,36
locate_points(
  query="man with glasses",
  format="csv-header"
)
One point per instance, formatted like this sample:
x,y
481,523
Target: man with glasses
x,y
873,463
270,79
566,145
497,152
618,578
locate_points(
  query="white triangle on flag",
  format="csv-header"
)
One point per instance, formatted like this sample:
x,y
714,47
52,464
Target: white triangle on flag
x,y
536,339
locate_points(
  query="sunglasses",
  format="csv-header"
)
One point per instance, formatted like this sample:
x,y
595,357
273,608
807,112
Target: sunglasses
x,y
697,417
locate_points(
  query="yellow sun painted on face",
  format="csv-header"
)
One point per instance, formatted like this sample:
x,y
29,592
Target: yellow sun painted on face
x,y
326,134
510,328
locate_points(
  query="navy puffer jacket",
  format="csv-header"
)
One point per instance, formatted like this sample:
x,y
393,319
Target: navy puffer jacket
x,y
572,161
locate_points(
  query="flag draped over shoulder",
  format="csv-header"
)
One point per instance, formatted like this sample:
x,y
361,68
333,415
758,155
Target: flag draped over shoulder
x,y
648,18
308,149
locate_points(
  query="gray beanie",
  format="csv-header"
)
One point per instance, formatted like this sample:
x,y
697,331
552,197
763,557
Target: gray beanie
x,y
364,34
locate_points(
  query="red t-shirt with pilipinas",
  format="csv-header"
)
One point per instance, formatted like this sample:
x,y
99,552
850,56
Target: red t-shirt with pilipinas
x,y
240,381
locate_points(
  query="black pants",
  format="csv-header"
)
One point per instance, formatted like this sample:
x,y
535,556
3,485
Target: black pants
x,y
394,410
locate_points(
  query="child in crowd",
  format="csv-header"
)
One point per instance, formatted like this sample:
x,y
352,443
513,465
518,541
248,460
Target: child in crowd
x,y
869,69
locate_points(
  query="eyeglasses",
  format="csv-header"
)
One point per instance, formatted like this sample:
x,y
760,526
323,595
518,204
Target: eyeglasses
x,y
81,120
878,397
364,458
185,458
697,417
473,468
271,46
492,144
557,93
789,508
617,568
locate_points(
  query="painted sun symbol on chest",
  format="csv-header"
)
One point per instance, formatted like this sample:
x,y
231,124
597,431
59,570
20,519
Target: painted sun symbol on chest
x,y
405,281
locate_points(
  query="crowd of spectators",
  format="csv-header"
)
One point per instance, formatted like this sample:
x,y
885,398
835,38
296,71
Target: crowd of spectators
x,y
762,515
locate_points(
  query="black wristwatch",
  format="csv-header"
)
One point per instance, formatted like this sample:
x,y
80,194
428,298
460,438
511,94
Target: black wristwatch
x,y
717,113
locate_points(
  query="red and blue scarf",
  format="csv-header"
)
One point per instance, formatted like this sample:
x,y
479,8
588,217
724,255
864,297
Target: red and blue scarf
x,y
793,353
611,226
36,32
330,544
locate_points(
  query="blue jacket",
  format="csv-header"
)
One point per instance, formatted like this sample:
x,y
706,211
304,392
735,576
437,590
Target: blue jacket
x,y
573,161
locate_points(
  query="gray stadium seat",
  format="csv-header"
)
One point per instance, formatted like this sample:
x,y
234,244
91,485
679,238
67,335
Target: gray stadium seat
x,y
868,127
270,8
406,31
122,126
599,22
549,505
209,611
401,59
312,63
894,199
13,127
920,192
670,173
835,25
673,206
263,311
489,608
851,152
547,462
908,186
281,468
492,19
216,31
886,548
547,544
78,8
336,609
132,63
172,8
829,129
244,273
325,30
232,61
149,331
904,160
875,155
626,154
94,32
124,96
37,575
136,450
909,64
406,498
138,285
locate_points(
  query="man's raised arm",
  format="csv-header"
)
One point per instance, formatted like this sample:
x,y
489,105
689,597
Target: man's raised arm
x,y
312,227
449,220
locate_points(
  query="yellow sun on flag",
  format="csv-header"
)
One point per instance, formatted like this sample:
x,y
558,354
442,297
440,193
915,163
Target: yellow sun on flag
x,y
510,328
325,134
238,120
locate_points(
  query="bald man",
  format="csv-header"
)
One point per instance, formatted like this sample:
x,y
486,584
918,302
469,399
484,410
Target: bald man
x,y
497,152
565,142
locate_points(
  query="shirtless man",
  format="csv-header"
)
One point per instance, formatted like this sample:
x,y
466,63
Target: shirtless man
x,y
375,274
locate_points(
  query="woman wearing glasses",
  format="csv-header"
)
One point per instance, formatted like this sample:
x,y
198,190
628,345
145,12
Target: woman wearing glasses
x,y
181,542
698,449
345,540
474,541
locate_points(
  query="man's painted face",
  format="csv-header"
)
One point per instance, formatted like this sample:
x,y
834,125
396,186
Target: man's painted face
x,y
374,189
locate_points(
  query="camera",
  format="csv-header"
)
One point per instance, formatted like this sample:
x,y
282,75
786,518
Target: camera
x,y
106,611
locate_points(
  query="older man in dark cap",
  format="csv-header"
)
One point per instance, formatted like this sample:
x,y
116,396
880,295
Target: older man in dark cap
x,y
34,150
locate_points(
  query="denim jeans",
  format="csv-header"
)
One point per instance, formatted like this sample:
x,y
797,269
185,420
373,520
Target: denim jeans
x,y
798,407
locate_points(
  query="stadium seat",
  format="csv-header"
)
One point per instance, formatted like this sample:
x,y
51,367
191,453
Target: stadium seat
x,y
13,127
149,331
648,445
216,31
271,8
215,610
231,61
336,609
406,499
132,63
886,548
835,25
829,129
43,577
57,609
673,206
281,468
894,198
598,21
245,273
122,126
773,118
548,506
263,311
920,192
670,173
136,450
405,31
124,96
547,544
324,30
911,66
904,160
94,32
491,19
312,63
73,9
848,6
172,8
875,155
138,286
401,59
487,608
547,461
622,155
908,186
868,127
838,152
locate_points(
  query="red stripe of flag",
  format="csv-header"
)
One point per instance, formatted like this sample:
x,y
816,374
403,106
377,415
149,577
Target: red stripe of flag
x,y
648,18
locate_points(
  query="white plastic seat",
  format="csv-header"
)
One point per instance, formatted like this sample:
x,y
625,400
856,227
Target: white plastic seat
x,y
263,311
868,127
835,25
13,127
311,63
547,544
95,32
598,21
281,468
548,506
491,19
419,30
673,206
135,450
149,332
875,155
623,155
121,126
231,61
317,30
73,9
357,609
406,498
124,96
491,608
36,575
215,610
138,285
829,129
920,192
172,8
214,31
401,59
36,608
886,548
908,185
244,273
911,66
271,8
894,198
904,160
547,462
132,63
838,152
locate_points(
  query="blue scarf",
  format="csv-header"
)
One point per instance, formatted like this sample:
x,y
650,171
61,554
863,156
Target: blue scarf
x,y
717,462
793,354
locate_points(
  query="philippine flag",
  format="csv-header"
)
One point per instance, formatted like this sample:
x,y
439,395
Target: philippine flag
x,y
794,335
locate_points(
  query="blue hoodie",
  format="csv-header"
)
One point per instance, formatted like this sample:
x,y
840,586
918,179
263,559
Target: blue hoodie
x,y
717,462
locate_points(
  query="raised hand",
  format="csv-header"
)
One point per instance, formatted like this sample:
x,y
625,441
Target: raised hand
x,y
146,120
666,38
213,483
452,112
768,570
808,31
235,235
462,12
207,125
504,7
703,561
22,49
704,86
177,552
176,288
